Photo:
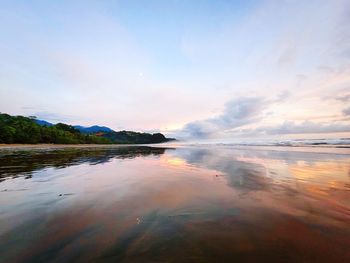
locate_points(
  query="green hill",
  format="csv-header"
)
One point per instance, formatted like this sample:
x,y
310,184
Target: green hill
x,y
19,129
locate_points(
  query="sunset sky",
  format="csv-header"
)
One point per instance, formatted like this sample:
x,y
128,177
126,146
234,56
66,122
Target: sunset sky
x,y
191,69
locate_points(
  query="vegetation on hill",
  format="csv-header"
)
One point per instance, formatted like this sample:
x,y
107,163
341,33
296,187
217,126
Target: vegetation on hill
x,y
134,137
92,129
19,129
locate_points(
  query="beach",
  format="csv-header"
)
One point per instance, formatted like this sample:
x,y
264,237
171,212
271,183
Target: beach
x,y
185,203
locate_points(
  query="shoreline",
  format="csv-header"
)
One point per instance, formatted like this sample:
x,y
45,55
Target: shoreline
x,y
59,146
310,149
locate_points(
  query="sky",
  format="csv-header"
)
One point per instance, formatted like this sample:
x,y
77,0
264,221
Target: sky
x,y
203,69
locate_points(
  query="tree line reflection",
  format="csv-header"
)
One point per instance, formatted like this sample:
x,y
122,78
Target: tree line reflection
x,y
24,163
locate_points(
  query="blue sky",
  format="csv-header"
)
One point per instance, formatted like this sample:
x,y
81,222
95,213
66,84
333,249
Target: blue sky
x,y
209,69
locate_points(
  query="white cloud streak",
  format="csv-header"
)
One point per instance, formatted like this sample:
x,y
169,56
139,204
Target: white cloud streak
x,y
238,112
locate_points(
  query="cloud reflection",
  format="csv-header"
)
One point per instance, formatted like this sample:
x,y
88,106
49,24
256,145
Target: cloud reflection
x,y
189,202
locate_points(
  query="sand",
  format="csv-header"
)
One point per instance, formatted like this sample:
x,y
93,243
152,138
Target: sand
x,y
55,146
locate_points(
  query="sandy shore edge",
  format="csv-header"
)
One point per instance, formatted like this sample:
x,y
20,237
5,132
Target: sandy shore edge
x,y
58,146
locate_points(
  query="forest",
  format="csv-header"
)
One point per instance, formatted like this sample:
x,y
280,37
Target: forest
x,y
20,129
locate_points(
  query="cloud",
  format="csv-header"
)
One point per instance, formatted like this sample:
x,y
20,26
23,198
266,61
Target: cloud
x,y
54,117
96,63
283,95
28,108
287,57
300,79
344,98
339,92
238,112
243,111
346,111
291,127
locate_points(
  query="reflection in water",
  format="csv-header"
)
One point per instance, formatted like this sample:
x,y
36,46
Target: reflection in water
x,y
24,162
144,204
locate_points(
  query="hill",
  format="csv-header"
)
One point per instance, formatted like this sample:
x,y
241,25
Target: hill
x,y
134,137
82,129
92,129
20,129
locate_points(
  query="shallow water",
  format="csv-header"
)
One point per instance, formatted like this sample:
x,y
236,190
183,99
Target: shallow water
x,y
182,204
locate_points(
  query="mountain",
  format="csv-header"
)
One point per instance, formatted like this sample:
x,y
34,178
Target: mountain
x,y
19,129
82,129
43,123
92,129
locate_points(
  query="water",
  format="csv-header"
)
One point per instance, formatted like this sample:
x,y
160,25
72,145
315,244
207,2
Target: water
x,y
175,204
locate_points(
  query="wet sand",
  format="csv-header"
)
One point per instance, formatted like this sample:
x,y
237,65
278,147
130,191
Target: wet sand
x,y
55,146
185,204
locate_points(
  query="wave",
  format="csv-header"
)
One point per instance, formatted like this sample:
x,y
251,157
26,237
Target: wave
x,y
336,143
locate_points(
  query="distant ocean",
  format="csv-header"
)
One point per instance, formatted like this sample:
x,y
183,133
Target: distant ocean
x,y
334,143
